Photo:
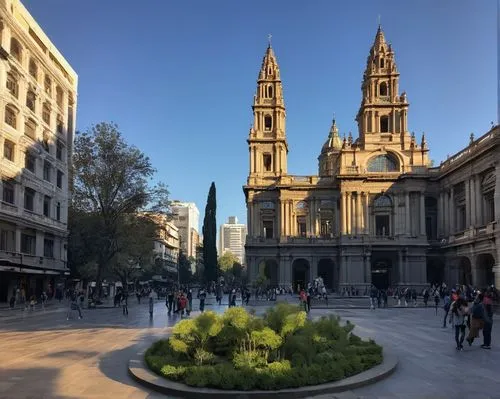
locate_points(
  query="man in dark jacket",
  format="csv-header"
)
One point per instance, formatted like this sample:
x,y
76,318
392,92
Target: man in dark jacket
x,y
488,319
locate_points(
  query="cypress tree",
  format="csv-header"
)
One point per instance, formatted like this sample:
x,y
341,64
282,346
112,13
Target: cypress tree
x,y
210,237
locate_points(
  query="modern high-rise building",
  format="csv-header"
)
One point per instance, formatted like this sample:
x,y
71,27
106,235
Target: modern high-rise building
x,y
38,92
186,216
377,212
232,238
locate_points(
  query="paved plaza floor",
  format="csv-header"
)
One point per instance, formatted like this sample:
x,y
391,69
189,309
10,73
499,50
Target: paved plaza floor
x,y
46,356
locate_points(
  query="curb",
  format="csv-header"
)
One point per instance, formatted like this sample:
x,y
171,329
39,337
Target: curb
x,y
138,370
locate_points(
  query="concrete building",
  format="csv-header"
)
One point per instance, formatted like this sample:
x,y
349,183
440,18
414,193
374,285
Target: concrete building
x,y
167,246
38,91
232,238
377,212
186,216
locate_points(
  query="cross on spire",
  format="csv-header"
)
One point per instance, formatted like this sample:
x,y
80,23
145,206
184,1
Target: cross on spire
x,y
269,37
378,19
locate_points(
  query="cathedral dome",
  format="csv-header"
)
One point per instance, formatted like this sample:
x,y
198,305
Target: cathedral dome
x,y
333,142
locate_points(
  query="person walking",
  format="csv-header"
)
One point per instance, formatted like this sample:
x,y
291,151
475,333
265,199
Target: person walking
x,y
446,308
477,318
169,301
373,297
124,303
458,313
189,302
74,306
151,303
425,295
488,319
303,299
202,295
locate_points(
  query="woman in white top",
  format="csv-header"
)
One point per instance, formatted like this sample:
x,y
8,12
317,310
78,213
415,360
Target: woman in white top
x,y
458,314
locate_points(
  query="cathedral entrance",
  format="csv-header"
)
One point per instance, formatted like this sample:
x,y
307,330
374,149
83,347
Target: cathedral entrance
x,y
268,269
435,270
300,273
381,273
485,275
326,269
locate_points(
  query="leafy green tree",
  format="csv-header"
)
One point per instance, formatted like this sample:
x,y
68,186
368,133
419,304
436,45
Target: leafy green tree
x,y
210,236
110,182
227,261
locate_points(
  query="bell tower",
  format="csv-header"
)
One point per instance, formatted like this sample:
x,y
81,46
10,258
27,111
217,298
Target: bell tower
x,y
383,115
267,140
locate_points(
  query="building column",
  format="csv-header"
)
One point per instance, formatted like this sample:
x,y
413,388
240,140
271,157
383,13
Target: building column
x,y
39,243
467,203
343,214
291,218
279,222
422,213
367,213
282,271
478,202
361,209
451,209
400,267
359,216
368,269
407,269
314,268
496,197
473,190
348,213
18,240
407,214
440,215
282,219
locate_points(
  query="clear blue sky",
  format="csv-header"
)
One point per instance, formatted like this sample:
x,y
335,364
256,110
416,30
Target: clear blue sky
x,y
179,76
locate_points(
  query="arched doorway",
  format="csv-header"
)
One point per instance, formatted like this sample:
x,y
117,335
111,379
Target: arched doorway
x,y
268,269
435,270
325,271
300,273
464,271
381,273
485,275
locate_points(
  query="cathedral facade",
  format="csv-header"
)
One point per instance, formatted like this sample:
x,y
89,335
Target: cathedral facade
x,y
377,212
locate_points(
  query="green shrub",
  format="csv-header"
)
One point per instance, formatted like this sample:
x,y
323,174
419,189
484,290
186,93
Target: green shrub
x,y
281,350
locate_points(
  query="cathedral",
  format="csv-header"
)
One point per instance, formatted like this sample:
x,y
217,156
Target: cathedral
x,y
377,212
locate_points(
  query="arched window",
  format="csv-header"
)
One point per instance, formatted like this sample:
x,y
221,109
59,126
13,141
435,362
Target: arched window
x,y
268,162
383,163
270,92
47,85
382,89
384,124
382,201
268,122
381,63
33,69
16,49
31,100
270,71
10,116
46,113
60,124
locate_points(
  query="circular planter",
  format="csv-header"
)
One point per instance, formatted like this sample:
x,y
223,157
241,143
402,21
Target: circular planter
x,y
138,369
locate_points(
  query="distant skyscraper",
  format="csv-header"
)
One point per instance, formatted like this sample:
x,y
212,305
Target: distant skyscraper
x,y
232,238
186,216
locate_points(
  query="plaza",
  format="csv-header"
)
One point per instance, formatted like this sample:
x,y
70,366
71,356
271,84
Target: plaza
x,y
51,357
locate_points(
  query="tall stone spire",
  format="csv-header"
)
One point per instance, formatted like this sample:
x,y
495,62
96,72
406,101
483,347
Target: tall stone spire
x,y
267,140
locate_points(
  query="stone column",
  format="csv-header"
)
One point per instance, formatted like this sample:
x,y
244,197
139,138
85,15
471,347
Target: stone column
x,y
39,243
282,219
407,214
400,267
368,269
343,214
496,197
348,213
422,213
467,203
473,188
366,211
451,208
446,214
18,240
407,269
362,223
250,219
277,212
314,267
290,218
358,213
440,215
282,271
479,202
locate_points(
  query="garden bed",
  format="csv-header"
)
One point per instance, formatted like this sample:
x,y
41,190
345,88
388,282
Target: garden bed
x,y
241,351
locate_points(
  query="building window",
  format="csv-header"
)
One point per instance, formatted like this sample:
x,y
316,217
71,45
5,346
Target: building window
x,y
28,243
270,91
59,150
16,50
33,69
10,116
382,225
7,240
48,85
45,142
46,113
267,162
59,178
30,129
268,123
268,225
58,211
382,63
301,226
8,150
382,89
31,100
488,191
60,125
12,84
29,199
8,192
30,162
382,208
383,163
48,248
46,170
46,205
384,124
59,96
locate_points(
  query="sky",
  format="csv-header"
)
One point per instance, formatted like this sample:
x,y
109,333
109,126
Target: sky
x,y
178,77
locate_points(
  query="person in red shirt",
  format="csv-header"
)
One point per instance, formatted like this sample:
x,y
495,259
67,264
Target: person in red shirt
x,y
303,299
182,303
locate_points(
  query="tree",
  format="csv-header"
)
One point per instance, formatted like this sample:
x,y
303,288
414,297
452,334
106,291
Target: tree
x,y
227,261
210,237
110,183
185,274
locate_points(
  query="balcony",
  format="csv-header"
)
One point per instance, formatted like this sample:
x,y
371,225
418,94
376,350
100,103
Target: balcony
x,y
16,262
7,207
